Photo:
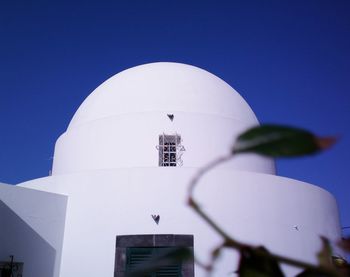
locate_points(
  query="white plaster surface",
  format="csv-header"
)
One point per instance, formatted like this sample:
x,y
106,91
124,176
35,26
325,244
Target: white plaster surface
x,y
256,208
163,87
106,163
119,123
32,226
131,140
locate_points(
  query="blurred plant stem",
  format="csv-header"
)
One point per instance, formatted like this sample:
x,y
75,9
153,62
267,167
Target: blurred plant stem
x,y
229,242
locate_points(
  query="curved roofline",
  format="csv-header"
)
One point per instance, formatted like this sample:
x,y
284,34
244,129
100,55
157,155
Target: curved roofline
x,y
92,107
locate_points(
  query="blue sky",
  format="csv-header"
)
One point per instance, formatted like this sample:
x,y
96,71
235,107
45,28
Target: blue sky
x,y
289,59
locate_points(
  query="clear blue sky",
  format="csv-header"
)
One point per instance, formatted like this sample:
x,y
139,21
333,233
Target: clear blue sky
x,y
289,59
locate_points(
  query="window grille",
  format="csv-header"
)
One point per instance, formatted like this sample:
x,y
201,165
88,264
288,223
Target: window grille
x,y
139,256
11,268
170,150
148,254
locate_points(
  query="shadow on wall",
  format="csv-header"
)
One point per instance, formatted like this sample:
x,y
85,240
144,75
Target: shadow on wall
x,y
19,239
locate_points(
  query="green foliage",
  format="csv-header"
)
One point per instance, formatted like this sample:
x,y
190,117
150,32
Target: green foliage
x,y
275,141
257,264
272,141
325,255
283,141
280,141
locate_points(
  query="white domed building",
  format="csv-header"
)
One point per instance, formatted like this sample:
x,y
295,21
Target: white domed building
x,y
120,181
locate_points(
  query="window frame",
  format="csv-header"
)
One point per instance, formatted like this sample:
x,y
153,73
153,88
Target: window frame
x,y
170,150
152,241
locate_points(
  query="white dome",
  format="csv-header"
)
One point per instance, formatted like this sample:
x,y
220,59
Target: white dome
x,y
166,87
120,123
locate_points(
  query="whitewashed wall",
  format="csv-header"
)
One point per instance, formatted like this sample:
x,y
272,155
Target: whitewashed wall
x,y
107,164
131,140
32,226
256,208
119,123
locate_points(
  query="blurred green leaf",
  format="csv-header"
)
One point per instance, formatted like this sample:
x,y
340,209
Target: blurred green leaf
x,y
280,141
325,255
339,262
342,266
254,265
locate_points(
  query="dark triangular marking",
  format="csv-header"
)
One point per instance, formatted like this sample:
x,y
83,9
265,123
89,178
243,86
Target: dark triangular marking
x,y
156,218
171,116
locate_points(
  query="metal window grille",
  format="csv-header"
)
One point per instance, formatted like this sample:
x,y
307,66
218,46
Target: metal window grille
x,y
170,150
11,269
140,256
147,256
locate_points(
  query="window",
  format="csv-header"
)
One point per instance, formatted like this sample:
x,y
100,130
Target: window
x,y
11,268
139,256
170,150
134,251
